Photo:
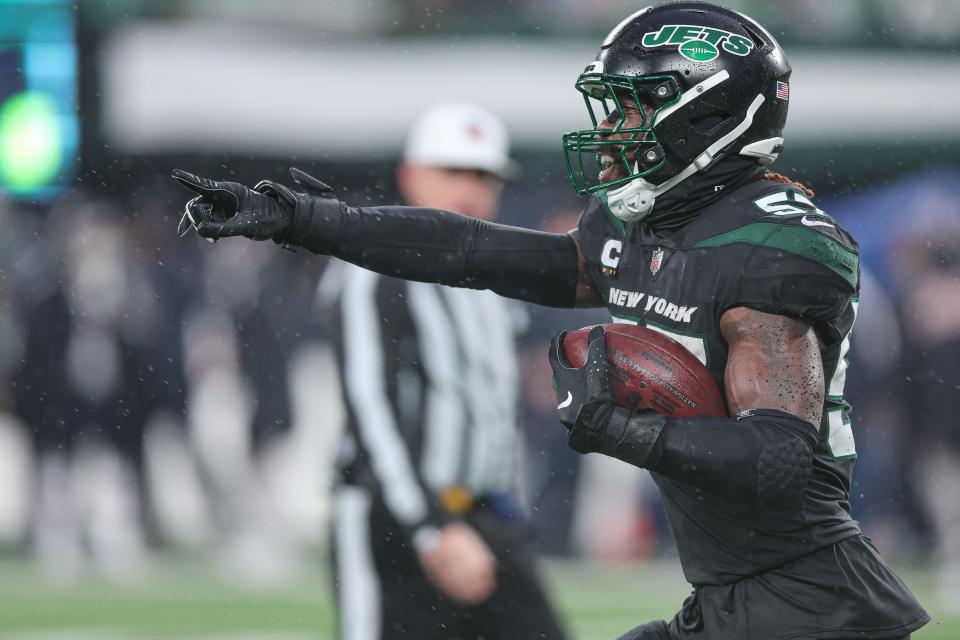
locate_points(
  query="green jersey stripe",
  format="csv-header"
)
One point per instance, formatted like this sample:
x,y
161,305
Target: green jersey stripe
x,y
805,242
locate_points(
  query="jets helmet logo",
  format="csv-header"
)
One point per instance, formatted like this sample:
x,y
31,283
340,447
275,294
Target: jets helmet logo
x,y
699,44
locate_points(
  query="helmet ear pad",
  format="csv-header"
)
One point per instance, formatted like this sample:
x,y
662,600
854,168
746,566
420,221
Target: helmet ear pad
x,y
686,132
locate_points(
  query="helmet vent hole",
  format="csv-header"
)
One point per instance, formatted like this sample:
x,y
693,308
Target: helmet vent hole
x,y
708,122
757,40
686,72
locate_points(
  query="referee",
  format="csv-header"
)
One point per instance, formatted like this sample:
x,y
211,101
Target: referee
x,y
428,541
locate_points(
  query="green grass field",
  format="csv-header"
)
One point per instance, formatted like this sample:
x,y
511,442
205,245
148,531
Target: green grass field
x,y
180,599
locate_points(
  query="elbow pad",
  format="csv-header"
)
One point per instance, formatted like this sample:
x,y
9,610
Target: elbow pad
x,y
764,456
430,245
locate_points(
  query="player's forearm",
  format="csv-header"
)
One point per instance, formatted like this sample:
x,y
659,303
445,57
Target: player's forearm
x,y
766,456
430,245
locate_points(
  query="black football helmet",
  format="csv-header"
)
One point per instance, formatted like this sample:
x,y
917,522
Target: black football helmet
x,y
712,82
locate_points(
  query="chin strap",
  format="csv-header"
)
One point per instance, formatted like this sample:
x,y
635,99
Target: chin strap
x,y
635,200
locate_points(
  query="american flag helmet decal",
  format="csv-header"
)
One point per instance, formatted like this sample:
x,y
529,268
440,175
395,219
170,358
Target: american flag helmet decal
x,y
783,90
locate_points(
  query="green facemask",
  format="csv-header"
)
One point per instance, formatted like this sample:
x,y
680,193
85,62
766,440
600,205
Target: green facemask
x,y
636,148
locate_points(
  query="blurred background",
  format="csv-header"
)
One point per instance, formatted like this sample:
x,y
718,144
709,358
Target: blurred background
x,y
168,410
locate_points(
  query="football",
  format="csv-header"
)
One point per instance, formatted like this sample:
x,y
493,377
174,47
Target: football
x,y
651,370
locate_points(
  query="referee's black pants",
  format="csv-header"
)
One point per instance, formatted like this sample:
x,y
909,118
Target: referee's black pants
x,y
383,594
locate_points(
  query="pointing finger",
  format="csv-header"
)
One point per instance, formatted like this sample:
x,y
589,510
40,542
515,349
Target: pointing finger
x,y
193,182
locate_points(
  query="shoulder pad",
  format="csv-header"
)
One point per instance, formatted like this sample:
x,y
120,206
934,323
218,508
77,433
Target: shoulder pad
x,y
788,205
783,219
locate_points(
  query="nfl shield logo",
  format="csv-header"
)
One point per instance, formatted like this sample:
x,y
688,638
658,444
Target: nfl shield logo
x,y
656,260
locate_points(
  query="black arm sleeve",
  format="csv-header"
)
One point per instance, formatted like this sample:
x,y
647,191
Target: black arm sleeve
x,y
765,456
430,245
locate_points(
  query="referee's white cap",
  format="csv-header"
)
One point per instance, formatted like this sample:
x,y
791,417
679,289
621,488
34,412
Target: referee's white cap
x,y
460,136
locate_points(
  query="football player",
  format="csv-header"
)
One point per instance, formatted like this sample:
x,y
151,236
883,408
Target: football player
x,y
687,233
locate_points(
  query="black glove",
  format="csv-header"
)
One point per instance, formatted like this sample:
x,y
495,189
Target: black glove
x,y
225,209
587,408
584,395
269,211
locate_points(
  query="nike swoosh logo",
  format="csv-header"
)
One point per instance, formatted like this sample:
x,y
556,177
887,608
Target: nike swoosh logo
x,y
810,222
566,403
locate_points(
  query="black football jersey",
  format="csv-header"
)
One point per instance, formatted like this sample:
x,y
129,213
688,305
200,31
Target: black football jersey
x,y
766,246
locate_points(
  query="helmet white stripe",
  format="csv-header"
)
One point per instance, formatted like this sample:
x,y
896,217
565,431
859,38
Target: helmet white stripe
x,y
689,96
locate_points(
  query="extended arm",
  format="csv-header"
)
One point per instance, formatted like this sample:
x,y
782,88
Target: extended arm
x,y
422,244
774,385
437,246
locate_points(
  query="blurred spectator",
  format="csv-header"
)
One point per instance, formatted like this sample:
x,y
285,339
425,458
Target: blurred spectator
x,y
882,489
80,387
243,336
929,272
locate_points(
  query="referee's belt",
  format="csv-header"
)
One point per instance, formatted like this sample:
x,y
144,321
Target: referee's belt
x,y
458,501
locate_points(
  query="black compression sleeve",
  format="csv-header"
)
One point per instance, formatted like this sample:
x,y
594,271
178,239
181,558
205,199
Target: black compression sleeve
x,y
430,245
765,456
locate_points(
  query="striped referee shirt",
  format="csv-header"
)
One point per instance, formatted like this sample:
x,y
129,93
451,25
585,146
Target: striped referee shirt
x,y
429,376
